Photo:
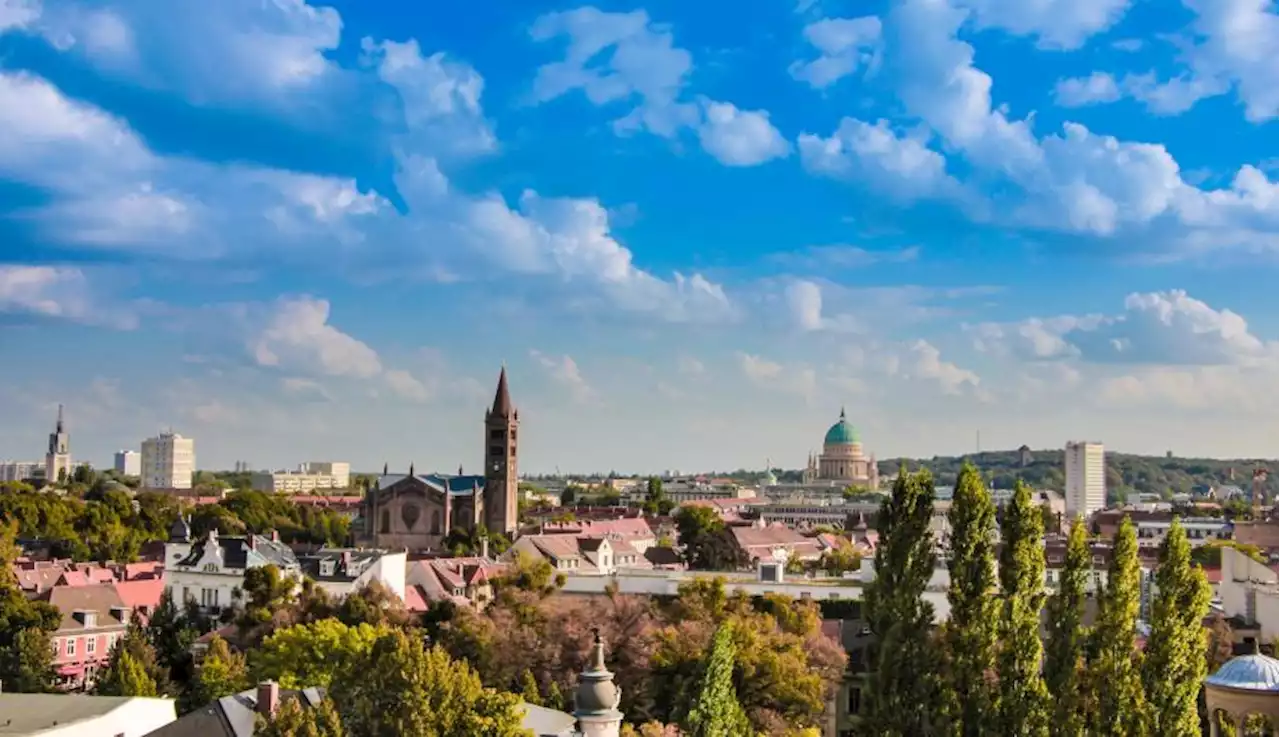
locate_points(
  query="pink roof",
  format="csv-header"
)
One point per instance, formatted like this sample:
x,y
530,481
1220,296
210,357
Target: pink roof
x,y
141,593
143,570
414,601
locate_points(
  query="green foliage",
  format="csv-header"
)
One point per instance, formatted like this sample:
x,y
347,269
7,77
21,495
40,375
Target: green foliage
x,y
126,675
1064,656
402,689
266,591
26,654
655,498
221,673
1116,687
103,526
708,545
971,632
904,692
1173,667
171,635
1023,701
313,655
1209,554
467,542
529,689
292,720
716,711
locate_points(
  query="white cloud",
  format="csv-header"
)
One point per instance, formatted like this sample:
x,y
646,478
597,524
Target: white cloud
x,y
798,380
406,385
625,57
924,361
236,52
1056,24
1160,328
57,293
1228,389
18,14
805,300
298,337
843,45
1099,87
1230,45
844,256
740,137
564,371
875,155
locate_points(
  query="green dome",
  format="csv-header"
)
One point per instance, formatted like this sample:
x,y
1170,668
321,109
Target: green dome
x,y
842,433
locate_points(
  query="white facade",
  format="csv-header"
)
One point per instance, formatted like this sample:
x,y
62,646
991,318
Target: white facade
x,y
291,482
79,715
1086,472
389,570
1250,590
340,471
20,470
128,462
168,462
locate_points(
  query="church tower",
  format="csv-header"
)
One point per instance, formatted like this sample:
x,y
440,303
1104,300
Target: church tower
x,y
501,487
57,462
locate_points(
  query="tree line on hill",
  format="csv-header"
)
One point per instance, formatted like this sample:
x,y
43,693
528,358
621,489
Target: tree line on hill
x,y
986,670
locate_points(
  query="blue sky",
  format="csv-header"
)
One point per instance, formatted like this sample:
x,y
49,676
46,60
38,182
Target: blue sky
x,y
692,231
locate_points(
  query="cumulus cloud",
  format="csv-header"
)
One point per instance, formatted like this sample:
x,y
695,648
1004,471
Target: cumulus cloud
x,y
297,337
799,380
1099,87
58,293
1055,24
1165,328
627,58
564,371
843,44
875,155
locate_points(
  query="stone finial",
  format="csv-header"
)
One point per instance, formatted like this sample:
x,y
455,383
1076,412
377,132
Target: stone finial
x,y
384,469
597,698
411,469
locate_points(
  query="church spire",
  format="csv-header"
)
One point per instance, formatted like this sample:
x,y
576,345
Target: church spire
x,y
58,428
502,398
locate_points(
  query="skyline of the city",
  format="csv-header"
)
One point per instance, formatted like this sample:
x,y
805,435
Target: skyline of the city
x,y
691,241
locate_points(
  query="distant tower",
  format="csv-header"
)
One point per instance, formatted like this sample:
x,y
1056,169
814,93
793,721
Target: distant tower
x,y
501,484
57,461
1024,456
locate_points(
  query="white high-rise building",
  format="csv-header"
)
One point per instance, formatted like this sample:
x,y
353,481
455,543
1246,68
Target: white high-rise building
x,y
128,462
1086,471
168,462
339,470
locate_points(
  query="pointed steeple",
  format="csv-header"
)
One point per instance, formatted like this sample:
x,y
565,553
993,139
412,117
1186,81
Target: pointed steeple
x,y
502,397
58,428
411,473
842,412
384,469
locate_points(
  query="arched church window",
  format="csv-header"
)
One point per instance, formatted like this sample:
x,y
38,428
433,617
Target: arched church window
x,y
385,525
435,522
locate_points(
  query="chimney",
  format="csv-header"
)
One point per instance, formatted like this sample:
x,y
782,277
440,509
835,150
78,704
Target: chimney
x,y
251,540
484,548
268,698
275,535
346,561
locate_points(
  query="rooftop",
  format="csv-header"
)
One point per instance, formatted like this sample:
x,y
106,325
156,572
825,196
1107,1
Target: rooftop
x,y
32,713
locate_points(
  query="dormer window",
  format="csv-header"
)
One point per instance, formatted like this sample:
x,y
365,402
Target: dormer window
x,y
326,567
210,568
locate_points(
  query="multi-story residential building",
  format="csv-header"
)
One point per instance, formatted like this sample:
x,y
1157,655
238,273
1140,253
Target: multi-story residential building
x,y
20,470
302,481
57,461
464,581
211,571
94,616
1153,524
600,556
340,471
168,462
128,462
342,571
1086,472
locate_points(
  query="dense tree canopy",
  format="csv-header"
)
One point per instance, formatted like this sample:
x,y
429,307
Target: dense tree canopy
x,y
705,541
26,654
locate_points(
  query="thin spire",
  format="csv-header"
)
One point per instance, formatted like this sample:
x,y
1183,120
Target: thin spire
x,y
842,411
59,426
411,469
502,397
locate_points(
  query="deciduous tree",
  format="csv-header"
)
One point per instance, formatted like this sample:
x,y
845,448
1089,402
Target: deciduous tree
x,y
1023,700
971,630
402,689
313,655
292,720
221,673
1114,680
1064,654
125,676
1172,666
904,691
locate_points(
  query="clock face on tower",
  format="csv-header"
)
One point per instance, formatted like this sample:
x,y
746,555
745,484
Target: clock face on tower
x,y
497,465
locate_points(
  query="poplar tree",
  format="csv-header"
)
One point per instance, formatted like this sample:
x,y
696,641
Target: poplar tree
x,y
903,692
1023,700
1064,654
970,633
125,676
716,711
1174,664
1115,667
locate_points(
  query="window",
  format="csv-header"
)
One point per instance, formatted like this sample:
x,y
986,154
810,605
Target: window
x,y
385,522
71,647
208,597
496,433
90,645
435,522
210,568
855,700
326,568
495,450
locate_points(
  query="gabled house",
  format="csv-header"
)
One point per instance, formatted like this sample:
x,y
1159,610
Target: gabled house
x,y
464,581
341,571
93,618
